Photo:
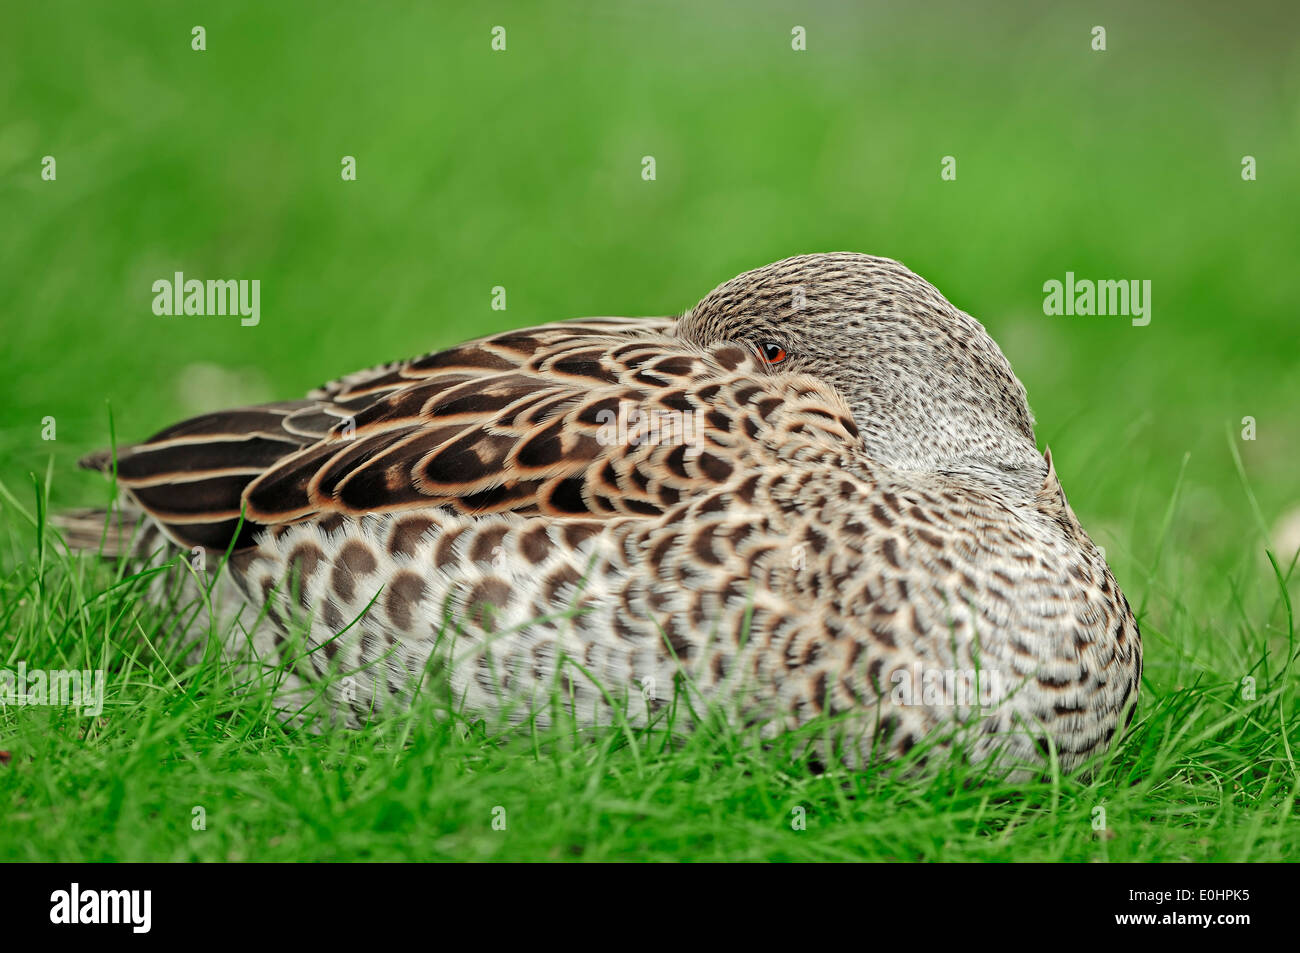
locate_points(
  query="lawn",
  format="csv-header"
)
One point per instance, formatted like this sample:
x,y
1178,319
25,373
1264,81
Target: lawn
x,y
523,169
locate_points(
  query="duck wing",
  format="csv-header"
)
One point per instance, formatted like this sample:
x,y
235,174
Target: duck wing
x,y
595,418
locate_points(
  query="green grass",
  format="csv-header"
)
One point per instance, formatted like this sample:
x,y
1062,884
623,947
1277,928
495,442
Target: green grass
x,y
523,169
188,762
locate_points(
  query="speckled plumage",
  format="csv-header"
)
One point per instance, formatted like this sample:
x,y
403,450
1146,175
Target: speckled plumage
x,y
795,538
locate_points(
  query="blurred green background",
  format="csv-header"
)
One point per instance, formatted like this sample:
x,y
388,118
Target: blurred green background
x,y
523,169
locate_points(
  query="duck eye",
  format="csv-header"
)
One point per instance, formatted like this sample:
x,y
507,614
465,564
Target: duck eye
x,y
772,353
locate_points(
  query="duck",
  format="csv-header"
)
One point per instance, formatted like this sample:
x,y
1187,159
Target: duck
x,y
816,494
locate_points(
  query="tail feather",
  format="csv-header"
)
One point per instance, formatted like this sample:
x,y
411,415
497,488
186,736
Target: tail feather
x,y
191,477
101,460
122,533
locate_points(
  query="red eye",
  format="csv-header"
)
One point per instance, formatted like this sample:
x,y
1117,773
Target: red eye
x,y
772,353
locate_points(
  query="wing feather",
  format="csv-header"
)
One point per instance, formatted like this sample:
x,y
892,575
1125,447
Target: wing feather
x,y
595,418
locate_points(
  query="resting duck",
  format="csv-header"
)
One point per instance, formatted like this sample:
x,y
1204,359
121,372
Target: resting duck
x,y
817,492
